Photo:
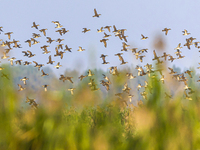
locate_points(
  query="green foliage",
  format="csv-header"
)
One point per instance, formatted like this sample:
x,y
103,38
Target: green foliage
x,y
75,122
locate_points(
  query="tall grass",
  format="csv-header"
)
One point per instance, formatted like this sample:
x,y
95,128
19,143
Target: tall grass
x,y
156,123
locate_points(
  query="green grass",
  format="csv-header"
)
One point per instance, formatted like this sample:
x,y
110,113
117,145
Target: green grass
x,y
158,123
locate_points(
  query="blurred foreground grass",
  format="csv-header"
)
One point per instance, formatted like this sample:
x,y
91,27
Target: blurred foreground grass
x,y
157,123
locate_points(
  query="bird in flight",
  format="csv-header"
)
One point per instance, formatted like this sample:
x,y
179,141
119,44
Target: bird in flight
x,y
34,25
85,30
144,37
103,58
24,80
9,34
166,30
43,31
121,58
185,32
96,14
104,41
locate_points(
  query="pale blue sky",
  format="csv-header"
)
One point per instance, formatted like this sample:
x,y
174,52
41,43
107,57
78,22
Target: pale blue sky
x,y
137,16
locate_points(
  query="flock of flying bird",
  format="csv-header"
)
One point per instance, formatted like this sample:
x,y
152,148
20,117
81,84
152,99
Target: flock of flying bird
x,y
120,33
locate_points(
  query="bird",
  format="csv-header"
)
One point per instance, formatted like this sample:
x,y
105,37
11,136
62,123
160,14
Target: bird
x,y
34,41
80,49
69,79
36,35
71,90
60,32
96,14
9,34
172,71
15,43
20,87
85,30
67,48
18,62
196,44
49,40
58,25
59,40
166,30
186,96
100,30
141,58
24,80
144,37
107,27
189,73
44,74
106,35
34,25
27,63
130,76
171,58
38,65
4,56
121,58
43,31
165,55
115,29
179,46
60,46
64,30
50,61
185,32
58,65
103,58
45,87
90,73
29,42
104,41
11,60
82,77
30,54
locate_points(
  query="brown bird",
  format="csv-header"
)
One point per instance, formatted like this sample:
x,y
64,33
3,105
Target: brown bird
x,y
67,48
38,65
58,25
44,74
49,40
20,87
11,60
104,41
43,31
121,58
9,34
64,30
30,54
107,27
103,58
166,30
85,30
29,42
144,37
172,71
58,65
96,14
24,80
34,25
45,87
50,61
82,77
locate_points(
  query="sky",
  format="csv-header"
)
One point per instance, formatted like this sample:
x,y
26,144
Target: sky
x,y
136,16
